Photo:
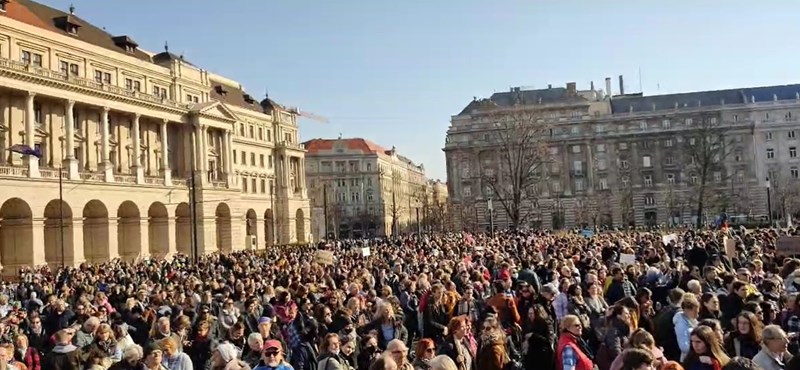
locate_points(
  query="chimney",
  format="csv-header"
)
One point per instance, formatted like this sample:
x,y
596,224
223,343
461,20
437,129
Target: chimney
x,y
621,86
549,86
591,85
608,87
571,88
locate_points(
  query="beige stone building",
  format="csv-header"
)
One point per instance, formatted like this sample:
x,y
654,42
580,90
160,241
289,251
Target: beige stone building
x,y
434,207
370,190
631,159
124,128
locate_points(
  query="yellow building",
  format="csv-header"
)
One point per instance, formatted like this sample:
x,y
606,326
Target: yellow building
x,y
125,128
370,190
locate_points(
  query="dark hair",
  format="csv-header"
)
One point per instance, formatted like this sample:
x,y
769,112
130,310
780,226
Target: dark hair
x,y
741,363
633,358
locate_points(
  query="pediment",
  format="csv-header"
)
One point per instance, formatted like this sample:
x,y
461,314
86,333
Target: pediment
x,y
41,133
216,110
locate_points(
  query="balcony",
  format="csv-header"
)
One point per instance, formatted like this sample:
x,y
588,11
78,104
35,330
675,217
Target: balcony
x,y
289,145
31,70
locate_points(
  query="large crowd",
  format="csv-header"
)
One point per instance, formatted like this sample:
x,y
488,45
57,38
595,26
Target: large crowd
x,y
614,300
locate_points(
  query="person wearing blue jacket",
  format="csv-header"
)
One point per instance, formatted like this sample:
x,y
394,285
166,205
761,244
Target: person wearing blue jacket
x,y
685,320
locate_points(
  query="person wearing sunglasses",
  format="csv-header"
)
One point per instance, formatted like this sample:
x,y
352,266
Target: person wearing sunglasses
x,y
425,351
272,357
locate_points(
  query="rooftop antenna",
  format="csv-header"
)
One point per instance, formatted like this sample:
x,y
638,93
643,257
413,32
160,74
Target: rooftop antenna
x,y
266,93
340,136
166,46
640,79
72,9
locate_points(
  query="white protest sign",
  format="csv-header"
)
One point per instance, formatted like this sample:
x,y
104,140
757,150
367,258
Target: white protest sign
x,y
365,252
627,258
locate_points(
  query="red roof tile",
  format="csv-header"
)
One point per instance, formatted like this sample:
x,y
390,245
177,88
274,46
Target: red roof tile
x,y
315,146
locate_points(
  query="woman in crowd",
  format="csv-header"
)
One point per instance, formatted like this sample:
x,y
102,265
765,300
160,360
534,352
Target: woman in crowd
x,y
745,341
572,352
538,348
492,354
226,357
456,344
706,351
709,307
643,340
330,354
424,352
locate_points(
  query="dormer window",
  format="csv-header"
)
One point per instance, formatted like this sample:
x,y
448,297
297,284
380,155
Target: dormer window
x,y
68,23
3,4
126,43
249,99
219,89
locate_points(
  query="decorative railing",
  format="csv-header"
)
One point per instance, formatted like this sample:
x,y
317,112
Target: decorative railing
x,y
219,184
125,179
52,173
154,180
92,176
13,171
179,182
87,83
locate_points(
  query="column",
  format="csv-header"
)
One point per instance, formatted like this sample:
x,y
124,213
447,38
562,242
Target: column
x,y
137,148
105,163
225,156
165,170
30,134
198,154
230,175
70,162
301,173
38,257
204,148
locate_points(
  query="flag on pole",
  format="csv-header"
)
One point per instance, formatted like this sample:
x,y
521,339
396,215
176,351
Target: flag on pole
x,y
25,150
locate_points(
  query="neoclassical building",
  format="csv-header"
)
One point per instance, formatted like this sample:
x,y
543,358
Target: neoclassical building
x,y
370,190
124,129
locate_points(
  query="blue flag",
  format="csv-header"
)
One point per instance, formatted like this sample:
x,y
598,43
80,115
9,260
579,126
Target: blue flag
x,y
25,150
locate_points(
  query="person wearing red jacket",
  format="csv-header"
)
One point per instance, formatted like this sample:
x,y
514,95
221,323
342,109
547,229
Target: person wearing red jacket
x,y
572,352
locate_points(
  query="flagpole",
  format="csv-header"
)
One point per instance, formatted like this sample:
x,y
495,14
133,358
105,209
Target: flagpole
x,y
61,212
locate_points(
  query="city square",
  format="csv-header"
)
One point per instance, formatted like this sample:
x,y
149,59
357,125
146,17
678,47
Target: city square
x,y
354,209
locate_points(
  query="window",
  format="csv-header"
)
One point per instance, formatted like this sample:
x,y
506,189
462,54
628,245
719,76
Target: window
x,y
689,121
602,183
252,159
269,135
623,146
253,184
3,5
63,67
691,141
553,150
137,86
600,128
98,76
602,165
643,125
669,160
670,179
794,172
793,152
576,148
649,200
648,180
260,133
577,166
740,176
578,184
712,120
466,191
74,70
261,160
788,116
37,112
737,157
693,179
160,92
234,156
768,136
25,57
625,181
791,135
645,144
556,187
717,176
129,84
37,59
575,130
244,157
666,123
76,122
241,129
668,143
263,186
244,184
269,161
601,148
251,131
624,163
646,161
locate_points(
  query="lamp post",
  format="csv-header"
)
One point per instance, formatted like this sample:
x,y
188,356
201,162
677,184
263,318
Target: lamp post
x,y
769,203
491,216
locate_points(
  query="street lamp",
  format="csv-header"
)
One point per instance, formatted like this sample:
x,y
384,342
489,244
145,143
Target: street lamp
x,y
769,204
491,216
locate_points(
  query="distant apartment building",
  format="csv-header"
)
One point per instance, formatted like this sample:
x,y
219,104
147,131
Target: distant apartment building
x,y
370,190
631,159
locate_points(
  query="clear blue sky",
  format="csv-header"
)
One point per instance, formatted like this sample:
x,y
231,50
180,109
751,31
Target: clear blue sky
x,y
395,71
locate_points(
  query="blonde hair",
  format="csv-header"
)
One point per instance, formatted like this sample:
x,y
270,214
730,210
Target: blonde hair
x,y
568,321
442,362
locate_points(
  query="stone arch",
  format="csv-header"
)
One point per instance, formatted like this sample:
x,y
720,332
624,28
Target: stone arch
x,y
158,229
129,231
183,229
58,233
16,234
269,228
95,232
223,222
300,225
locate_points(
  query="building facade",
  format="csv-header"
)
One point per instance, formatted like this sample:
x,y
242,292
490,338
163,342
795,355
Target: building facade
x,y
370,190
123,130
434,207
631,159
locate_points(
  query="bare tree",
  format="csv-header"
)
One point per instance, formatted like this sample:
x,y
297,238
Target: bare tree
x,y
396,201
512,165
677,203
784,191
707,148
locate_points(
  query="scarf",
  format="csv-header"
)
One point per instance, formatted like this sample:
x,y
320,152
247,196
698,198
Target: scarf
x,y
108,347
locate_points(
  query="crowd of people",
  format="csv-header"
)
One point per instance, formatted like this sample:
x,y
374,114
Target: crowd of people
x,y
616,300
